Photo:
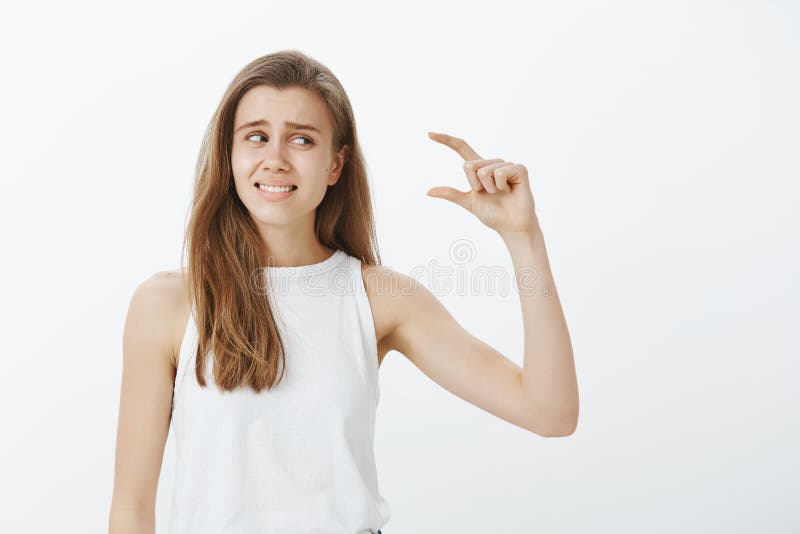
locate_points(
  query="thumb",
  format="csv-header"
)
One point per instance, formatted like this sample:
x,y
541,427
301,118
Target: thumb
x,y
453,195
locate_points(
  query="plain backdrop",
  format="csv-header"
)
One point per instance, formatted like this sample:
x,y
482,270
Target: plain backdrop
x,y
662,143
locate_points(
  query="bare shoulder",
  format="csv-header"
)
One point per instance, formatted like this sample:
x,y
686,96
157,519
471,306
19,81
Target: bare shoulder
x,y
147,388
391,295
163,298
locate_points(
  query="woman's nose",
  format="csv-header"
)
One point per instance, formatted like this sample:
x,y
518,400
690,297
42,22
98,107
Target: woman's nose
x,y
274,157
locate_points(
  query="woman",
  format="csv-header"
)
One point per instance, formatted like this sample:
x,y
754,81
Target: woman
x,y
263,353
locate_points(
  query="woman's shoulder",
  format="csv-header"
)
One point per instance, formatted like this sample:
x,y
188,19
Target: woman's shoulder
x,y
386,282
167,292
397,299
387,290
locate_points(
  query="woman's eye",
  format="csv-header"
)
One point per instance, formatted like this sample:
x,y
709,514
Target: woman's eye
x,y
309,140
254,135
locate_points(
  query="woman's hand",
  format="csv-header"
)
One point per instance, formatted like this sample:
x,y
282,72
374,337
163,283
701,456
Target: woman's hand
x,y
500,194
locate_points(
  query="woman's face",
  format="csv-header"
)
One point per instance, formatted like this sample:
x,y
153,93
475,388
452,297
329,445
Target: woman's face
x,y
273,150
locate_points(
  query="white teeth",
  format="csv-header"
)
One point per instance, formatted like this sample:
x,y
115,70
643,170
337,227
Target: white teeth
x,y
274,189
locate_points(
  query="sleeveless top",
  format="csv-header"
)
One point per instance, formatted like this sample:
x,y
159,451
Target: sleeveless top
x,y
297,459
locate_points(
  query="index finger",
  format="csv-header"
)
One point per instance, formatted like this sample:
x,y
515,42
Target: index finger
x,y
457,144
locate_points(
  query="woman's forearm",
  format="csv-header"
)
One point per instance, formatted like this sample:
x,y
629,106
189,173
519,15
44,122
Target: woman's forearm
x,y
548,374
131,520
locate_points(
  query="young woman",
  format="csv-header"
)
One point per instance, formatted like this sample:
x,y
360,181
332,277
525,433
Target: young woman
x,y
263,352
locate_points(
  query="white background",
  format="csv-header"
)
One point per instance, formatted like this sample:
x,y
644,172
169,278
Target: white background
x,y
662,143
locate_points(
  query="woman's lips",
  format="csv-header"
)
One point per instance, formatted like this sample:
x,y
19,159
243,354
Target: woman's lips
x,y
275,196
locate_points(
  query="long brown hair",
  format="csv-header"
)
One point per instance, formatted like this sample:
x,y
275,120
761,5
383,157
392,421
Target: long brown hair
x,y
222,243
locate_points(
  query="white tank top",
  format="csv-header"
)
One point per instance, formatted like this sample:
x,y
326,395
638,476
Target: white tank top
x,y
298,459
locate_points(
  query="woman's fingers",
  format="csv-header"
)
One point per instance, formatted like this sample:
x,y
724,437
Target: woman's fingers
x,y
457,144
482,173
471,168
500,178
479,171
486,176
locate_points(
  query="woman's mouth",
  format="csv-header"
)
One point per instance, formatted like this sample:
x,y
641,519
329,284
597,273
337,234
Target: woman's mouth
x,y
274,192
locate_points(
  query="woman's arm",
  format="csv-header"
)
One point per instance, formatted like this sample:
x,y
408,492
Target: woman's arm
x,y
542,396
148,375
548,377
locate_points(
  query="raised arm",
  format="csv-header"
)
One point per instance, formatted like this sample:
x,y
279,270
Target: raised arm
x,y
542,396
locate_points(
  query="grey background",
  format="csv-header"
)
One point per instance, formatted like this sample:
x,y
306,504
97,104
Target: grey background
x,y
662,143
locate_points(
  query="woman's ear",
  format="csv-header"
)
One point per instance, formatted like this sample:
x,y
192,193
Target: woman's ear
x,y
339,160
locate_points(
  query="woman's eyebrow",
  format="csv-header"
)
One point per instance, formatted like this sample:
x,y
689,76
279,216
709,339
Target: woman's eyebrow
x,y
291,124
